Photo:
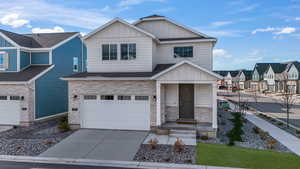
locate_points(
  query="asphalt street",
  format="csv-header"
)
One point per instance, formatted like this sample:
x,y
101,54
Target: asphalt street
x,y
21,165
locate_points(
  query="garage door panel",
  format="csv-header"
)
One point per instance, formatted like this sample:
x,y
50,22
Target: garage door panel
x,y
126,115
9,112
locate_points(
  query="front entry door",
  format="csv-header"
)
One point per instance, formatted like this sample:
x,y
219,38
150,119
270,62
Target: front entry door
x,y
186,101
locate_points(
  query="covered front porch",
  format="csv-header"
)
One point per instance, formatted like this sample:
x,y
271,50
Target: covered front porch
x,y
186,98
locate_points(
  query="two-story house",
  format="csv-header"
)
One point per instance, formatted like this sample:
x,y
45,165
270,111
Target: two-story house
x,y
274,75
257,80
30,69
244,77
293,77
141,76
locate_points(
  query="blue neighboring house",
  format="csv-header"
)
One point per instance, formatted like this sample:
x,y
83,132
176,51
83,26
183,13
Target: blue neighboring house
x,y
30,69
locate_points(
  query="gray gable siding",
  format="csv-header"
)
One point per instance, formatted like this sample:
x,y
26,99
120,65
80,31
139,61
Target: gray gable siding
x,y
24,59
40,58
12,59
51,92
4,43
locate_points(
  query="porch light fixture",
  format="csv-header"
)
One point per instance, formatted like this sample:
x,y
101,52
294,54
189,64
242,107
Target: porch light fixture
x,y
75,96
22,98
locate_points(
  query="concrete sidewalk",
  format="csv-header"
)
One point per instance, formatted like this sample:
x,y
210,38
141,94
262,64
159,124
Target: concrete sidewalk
x,y
285,138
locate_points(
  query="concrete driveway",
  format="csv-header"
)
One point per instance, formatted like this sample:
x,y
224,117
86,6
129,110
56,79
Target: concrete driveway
x,y
98,144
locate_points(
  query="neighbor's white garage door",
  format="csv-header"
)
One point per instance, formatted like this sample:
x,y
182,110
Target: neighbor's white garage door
x,y
9,111
116,114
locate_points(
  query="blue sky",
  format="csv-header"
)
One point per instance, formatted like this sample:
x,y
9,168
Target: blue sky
x,y
248,31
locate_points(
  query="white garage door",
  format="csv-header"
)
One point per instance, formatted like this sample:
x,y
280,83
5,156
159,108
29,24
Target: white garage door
x,y
116,114
9,111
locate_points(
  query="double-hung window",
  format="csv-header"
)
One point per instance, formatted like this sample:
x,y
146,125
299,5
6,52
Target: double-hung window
x,y
75,64
2,56
109,52
186,51
128,51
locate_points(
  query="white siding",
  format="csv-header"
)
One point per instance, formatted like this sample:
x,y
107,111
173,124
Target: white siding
x,y
172,95
165,29
293,73
270,76
202,52
186,72
119,33
203,95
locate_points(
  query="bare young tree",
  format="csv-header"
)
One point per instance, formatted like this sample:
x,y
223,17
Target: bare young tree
x,y
287,98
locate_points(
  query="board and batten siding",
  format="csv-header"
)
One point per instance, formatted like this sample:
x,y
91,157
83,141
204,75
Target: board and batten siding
x,y
293,73
40,58
12,59
51,91
202,54
4,43
118,33
165,29
24,59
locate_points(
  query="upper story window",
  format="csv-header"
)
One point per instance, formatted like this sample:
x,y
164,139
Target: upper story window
x,y
109,52
75,64
128,51
186,51
2,57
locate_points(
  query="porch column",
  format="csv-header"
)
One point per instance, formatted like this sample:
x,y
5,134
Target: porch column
x,y
158,104
214,106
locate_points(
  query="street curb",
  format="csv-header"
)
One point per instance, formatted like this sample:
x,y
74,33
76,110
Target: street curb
x,y
103,163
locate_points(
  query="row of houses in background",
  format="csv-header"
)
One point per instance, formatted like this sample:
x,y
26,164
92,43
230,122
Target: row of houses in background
x,y
265,77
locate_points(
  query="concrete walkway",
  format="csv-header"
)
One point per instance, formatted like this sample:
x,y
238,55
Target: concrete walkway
x,y
285,138
99,145
188,137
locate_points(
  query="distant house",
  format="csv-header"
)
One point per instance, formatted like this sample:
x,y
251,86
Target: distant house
x,y
257,82
293,77
274,75
244,77
222,73
30,68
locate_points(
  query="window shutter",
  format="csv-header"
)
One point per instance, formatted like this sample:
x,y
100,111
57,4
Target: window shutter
x,y
5,61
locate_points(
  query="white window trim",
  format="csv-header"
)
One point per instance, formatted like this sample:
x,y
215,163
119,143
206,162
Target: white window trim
x,y
127,51
101,51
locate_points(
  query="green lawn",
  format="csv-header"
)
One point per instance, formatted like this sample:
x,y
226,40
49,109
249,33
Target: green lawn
x,y
223,155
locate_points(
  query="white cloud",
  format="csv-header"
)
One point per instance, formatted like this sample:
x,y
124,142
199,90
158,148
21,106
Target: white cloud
x,y
268,29
222,33
221,53
297,19
55,29
40,10
286,30
13,20
221,23
245,9
255,52
136,2
276,31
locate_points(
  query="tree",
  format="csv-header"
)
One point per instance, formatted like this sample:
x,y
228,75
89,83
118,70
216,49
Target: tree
x,y
287,98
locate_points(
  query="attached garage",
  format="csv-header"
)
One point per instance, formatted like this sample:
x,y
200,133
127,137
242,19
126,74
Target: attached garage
x,y
115,112
10,110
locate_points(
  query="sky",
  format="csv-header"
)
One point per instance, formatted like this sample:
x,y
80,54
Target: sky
x,y
248,31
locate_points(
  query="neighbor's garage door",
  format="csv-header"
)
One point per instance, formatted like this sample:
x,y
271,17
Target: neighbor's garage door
x,y
123,112
9,110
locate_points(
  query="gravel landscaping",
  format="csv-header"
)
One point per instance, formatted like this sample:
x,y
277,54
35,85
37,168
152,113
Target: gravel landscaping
x,y
250,138
32,140
165,153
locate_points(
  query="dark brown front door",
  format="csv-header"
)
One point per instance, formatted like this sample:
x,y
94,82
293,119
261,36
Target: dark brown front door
x,y
186,101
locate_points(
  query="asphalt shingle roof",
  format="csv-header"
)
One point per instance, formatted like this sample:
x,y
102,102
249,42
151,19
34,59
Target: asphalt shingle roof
x,y
261,67
24,75
278,67
40,40
159,68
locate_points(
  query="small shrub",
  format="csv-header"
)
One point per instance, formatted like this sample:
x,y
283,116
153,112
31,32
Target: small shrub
x,y
64,126
271,143
297,131
263,134
204,137
279,123
153,143
178,145
235,134
256,130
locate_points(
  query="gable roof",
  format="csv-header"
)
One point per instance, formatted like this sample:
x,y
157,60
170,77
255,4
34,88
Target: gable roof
x,y
222,72
40,40
247,73
159,17
121,21
261,67
234,73
190,63
278,67
24,75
